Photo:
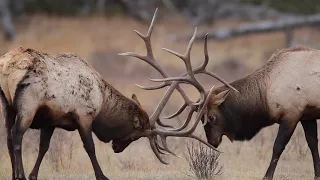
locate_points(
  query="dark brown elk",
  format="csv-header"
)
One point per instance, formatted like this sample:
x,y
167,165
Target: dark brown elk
x,y
283,91
45,92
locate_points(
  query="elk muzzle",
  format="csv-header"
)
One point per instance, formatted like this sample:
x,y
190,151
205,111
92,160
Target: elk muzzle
x,y
119,145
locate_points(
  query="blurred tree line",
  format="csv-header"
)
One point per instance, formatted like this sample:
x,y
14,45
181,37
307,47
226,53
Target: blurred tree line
x,y
198,11
74,7
293,6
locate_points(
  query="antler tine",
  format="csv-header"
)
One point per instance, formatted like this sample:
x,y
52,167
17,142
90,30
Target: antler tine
x,y
149,58
187,78
165,146
180,110
163,133
198,118
159,148
190,78
202,67
162,85
206,56
163,125
155,150
187,121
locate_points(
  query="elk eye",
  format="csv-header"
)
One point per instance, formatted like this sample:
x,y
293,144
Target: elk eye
x,y
212,119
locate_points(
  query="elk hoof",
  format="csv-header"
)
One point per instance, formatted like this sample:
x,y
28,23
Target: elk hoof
x,y
267,178
32,177
20,178
102,178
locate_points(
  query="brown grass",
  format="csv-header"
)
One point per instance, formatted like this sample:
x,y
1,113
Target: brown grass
x,y
99,40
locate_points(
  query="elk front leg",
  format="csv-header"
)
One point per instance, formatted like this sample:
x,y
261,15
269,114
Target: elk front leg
x,y
285,131
86,136
45,138
310,131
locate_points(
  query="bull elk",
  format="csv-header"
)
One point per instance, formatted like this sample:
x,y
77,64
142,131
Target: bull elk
x,y
284,91
41,91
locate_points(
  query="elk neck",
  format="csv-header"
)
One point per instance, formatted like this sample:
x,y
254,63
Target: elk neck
x,y
115,119
247,112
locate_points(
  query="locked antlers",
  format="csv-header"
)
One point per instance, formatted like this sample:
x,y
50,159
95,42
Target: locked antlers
x,y
173,83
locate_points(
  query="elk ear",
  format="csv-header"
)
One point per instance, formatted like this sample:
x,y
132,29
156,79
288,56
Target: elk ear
x,y
136,122
134,97
221,97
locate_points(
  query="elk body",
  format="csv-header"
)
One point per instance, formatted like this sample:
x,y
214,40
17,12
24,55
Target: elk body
x,y
45,92
284,91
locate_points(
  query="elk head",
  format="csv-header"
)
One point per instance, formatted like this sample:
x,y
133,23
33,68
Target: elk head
x,y
155,133
213,121
138,123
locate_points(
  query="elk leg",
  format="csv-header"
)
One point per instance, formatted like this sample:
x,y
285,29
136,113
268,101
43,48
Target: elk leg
x,y
45,138
86,136
9,122
23,121
284,134
310,131
9,118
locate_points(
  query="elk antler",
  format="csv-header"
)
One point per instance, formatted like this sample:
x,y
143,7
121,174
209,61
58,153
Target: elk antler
x,y
173,82
149,58
163,134
200,70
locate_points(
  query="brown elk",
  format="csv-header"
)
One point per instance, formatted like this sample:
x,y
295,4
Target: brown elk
x,y
283,91
45,92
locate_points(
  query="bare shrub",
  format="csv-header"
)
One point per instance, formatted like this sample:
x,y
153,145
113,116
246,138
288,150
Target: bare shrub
x,y
298,145
261,148
203,161
127,164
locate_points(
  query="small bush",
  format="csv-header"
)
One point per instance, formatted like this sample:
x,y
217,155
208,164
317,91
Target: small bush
x,y
203,161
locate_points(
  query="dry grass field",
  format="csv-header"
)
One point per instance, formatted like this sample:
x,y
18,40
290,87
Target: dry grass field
x,y
99,40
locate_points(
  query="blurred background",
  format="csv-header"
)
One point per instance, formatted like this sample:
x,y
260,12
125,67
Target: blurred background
x,y
242,36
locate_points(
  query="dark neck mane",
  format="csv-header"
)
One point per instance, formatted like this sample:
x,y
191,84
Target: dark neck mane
x,y
246,113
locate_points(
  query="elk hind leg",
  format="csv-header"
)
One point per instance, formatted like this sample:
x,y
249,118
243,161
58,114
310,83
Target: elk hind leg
x,y
45,138
9,122
285,132
9,115
24,117
310,131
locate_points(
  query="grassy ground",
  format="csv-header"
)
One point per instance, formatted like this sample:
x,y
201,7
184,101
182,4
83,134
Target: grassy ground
x,y
99,40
